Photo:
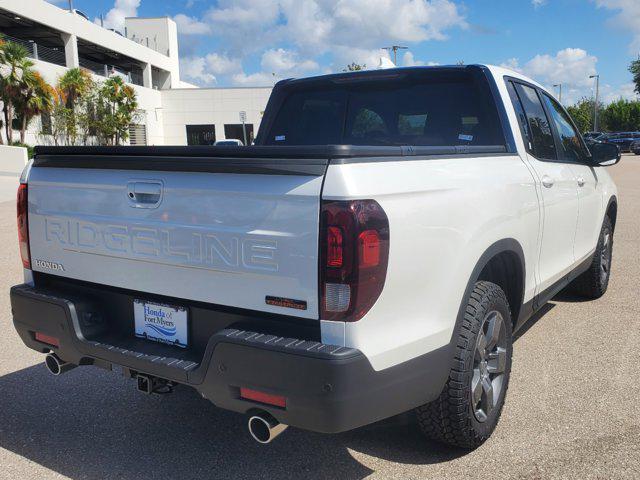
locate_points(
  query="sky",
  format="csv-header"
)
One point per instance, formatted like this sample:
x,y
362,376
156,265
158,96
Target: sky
x,y
257,42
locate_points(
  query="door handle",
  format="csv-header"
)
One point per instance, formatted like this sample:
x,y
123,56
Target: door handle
x,y
580,182
547,181
144,194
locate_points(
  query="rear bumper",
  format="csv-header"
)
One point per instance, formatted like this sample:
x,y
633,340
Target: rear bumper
x,y
328,389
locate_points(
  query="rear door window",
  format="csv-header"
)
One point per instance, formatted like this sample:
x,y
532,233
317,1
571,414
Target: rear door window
x,y
427,109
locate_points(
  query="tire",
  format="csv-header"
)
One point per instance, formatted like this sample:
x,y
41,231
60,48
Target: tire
x,y
594,282
458,417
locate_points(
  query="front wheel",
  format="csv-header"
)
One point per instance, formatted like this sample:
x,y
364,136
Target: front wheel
x,y
468,409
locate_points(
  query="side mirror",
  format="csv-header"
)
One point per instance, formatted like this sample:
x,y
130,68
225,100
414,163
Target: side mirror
x,y
605,154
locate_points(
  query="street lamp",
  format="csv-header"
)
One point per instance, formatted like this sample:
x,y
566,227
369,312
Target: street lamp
x,y
595,105
560,92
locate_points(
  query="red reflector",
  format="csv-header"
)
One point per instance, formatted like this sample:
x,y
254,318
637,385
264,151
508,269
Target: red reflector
x,y
369,244
262,397
49,340
334,247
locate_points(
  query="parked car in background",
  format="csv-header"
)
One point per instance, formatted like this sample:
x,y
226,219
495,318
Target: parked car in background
x,y
591,135
635,147
229,142
622,139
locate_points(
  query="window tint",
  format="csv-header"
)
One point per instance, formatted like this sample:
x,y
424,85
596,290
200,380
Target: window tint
x,y
541,143
434,109
368,124
571,147
309,118
522,117
411,124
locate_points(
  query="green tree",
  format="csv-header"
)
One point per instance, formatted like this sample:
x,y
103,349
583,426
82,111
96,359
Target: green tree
x,y
115,110
623,115
72,87
634,68
36,99
15,59
582,114
354,67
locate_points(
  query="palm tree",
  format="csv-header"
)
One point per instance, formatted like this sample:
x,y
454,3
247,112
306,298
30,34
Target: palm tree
x,y
74,84
119,107
15,57
37,98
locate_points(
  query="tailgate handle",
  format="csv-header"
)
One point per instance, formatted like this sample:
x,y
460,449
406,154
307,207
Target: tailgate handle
x,y
144,194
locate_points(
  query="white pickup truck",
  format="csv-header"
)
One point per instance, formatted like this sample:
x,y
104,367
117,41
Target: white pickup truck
x,y
372,254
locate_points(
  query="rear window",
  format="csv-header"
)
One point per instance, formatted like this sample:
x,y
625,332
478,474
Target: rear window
x,y
429,109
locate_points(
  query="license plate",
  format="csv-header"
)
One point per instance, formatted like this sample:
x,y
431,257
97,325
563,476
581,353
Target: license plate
x,y
161,323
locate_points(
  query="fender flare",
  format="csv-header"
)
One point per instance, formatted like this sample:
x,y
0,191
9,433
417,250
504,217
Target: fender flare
x,y
613,200
506,245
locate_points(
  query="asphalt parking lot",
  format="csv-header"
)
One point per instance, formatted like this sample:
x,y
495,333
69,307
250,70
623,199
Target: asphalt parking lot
x,y
572,408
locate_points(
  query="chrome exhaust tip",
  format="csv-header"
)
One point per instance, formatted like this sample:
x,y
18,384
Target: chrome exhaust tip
x,y
264,428
56,366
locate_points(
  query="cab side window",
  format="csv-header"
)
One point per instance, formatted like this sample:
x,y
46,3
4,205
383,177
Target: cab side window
x,y
541,142
571,147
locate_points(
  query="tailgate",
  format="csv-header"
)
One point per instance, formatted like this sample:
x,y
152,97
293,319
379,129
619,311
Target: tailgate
x,y
232,239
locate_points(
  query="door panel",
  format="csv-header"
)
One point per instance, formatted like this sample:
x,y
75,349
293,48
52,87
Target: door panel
x,y
590,211
572,149
557,185
560,206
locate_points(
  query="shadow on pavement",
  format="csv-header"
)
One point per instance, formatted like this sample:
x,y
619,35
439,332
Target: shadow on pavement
x,y
93,424
546,308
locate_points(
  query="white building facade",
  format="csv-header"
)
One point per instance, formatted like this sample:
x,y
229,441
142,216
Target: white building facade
x,y
171,112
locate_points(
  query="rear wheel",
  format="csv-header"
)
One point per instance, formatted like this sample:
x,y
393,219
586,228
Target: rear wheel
x,y
594,282
468,409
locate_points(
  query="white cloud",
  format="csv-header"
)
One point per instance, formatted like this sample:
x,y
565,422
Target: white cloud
x,y
121,9
408,60
283,61
195,69
625,91
259,79
222,65
628,18
317,25
571,67
205,70
191,26
538,3
346,31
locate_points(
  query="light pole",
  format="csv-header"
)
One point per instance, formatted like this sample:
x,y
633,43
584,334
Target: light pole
x,y
394,49
559,85
595,105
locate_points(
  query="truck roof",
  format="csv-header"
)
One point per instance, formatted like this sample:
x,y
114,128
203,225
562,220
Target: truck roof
x,y
379,74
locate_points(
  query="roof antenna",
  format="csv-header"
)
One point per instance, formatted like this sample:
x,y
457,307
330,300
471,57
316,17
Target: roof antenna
x,y
71,6
394,49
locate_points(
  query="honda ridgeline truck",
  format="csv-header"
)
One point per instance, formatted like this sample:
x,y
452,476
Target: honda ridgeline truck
x,y
373,253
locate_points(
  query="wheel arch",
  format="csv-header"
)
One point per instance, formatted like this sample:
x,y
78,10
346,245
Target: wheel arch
x,y
503,263
612,211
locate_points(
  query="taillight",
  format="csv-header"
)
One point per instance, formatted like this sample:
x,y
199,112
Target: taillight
x,y
23,226
354,251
